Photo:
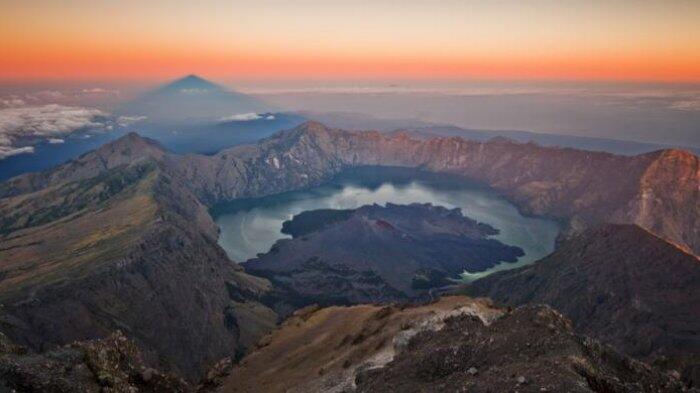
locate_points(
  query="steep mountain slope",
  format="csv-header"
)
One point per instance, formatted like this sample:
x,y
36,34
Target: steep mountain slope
x,y
112,241
618,283
659,190
455,344
126,150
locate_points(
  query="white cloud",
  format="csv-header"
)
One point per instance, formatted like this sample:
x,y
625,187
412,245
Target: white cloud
x,y
477,89
270,117
48,95
688,105
241,117
6,151
11,102
21,127
55,141
125,121
99,90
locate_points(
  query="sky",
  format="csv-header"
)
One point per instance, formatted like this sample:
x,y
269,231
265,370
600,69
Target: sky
x,y
625,40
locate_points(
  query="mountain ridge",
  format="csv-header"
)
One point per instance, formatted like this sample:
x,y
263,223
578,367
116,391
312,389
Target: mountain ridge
x,y
659,191
578,187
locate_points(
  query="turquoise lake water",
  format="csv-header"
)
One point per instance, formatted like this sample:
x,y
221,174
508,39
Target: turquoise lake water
x,y
252,226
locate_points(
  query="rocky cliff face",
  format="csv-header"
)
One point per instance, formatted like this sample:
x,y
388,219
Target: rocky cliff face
x,y
531,349
668,185
455,344
620,284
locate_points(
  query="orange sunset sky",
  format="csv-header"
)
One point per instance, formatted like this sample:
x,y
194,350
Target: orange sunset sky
x,y
579,40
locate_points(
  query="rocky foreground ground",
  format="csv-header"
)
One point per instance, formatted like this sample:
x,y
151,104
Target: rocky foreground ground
x,y
456,344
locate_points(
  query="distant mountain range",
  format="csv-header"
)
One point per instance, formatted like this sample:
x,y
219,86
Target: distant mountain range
x,y
121,237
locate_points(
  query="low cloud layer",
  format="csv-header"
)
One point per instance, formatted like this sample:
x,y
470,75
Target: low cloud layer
x,y
688,105
8,151
246,117
22,127
93,96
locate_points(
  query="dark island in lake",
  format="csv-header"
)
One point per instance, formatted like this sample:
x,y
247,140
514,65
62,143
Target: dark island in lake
x,y
377,253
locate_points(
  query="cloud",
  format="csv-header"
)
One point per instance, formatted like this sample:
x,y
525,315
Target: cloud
x,y
9,151
398,90
99,90
21,127
48,95
478,90
688,105
90,96
55,141
241,117
125,121
11,102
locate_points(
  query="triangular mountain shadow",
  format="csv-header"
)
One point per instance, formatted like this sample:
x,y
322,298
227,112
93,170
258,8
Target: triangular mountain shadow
x,y
191,81
192,99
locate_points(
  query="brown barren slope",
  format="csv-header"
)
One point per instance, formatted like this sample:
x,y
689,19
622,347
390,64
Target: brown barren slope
x,y
319,349
455,344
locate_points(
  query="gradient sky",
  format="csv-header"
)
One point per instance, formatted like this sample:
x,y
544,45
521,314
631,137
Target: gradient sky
x,y
490,39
